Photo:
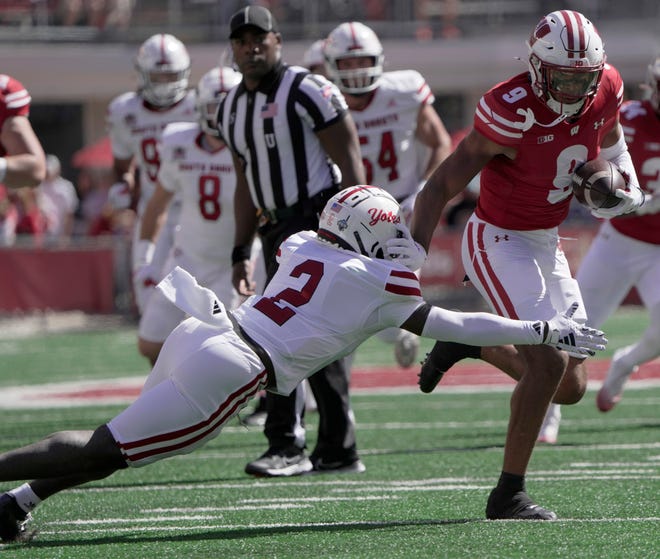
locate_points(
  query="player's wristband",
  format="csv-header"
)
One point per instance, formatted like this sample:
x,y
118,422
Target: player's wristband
x,y
240,253
3,168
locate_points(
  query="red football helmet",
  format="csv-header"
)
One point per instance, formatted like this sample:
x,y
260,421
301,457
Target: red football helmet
x,y
566,60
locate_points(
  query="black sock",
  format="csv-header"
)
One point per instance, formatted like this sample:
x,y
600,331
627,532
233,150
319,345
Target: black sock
x,y
510,483
474,351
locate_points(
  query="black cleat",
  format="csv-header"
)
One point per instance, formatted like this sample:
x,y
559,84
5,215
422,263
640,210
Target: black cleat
x,y
349,465
13,520
516,507
440,359
291,461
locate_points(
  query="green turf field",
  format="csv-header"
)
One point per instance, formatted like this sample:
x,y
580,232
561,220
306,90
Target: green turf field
x,y
431,462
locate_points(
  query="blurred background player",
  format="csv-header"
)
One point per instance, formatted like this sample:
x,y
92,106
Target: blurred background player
x,y
633,242
22,159
197,168
402,138
58,202
135,123
314,58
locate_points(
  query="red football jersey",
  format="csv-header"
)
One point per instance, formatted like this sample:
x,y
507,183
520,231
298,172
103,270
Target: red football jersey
x,y
533,190
641,127
14,101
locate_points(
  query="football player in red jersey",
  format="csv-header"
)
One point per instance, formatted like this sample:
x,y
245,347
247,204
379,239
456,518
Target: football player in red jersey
x,y
22,159
529,134
633,242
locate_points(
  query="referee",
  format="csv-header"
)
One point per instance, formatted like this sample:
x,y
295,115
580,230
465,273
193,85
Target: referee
x,y
294,145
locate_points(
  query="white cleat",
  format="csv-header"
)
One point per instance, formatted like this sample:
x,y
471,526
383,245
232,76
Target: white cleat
x,y
406,349
610,393
550,427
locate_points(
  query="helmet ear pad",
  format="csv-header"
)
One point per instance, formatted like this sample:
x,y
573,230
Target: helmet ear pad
x,y
362,219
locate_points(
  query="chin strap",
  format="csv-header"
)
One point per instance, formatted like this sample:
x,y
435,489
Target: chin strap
x,y
530,120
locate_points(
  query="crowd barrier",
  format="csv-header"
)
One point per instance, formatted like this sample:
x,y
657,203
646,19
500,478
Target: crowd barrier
x,y
89,275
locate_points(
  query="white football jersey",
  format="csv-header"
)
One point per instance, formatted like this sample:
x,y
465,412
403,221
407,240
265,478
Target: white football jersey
x,y
386,128
313,302
135,129
204,182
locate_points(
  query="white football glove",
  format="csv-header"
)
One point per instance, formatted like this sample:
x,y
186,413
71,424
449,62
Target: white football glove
x,y
119,196
630,201
651,204
576,339
407,252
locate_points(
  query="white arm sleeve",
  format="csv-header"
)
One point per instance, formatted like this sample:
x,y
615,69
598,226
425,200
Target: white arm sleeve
x,y
479,328
620,156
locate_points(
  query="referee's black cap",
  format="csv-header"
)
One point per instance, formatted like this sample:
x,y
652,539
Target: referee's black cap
x,y
255,16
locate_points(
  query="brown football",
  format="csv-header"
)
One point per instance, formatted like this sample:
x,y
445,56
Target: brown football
x,y
595,182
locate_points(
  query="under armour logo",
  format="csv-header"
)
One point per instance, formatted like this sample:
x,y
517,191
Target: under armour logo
x,y
499,238
599,123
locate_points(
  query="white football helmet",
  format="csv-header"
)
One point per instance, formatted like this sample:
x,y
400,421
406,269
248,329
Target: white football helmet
x,y
163,67
314,57
653,83
362,218
211,89
566,60
352,40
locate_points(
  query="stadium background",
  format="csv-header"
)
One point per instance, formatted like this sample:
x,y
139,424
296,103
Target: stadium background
x,y
73,71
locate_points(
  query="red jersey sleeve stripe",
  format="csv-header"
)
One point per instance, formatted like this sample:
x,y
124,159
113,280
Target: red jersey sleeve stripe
x,y
497,124
403,290
403,282
18,99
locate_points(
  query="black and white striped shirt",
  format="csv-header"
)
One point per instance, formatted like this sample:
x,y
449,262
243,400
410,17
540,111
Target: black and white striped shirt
x,y
272,129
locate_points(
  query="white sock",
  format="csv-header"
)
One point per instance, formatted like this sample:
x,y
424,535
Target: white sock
x,y
25,497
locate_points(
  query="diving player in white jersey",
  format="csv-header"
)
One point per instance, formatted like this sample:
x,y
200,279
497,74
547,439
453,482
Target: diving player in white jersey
x,y
402,138
197,168
135,122
334,288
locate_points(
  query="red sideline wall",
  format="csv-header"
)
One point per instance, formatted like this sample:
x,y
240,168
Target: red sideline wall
x,y
57,279
83,279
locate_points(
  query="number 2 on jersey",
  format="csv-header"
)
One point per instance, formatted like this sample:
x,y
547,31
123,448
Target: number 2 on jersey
x,y
270,306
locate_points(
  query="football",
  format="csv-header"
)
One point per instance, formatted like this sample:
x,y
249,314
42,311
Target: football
x,y
595,182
